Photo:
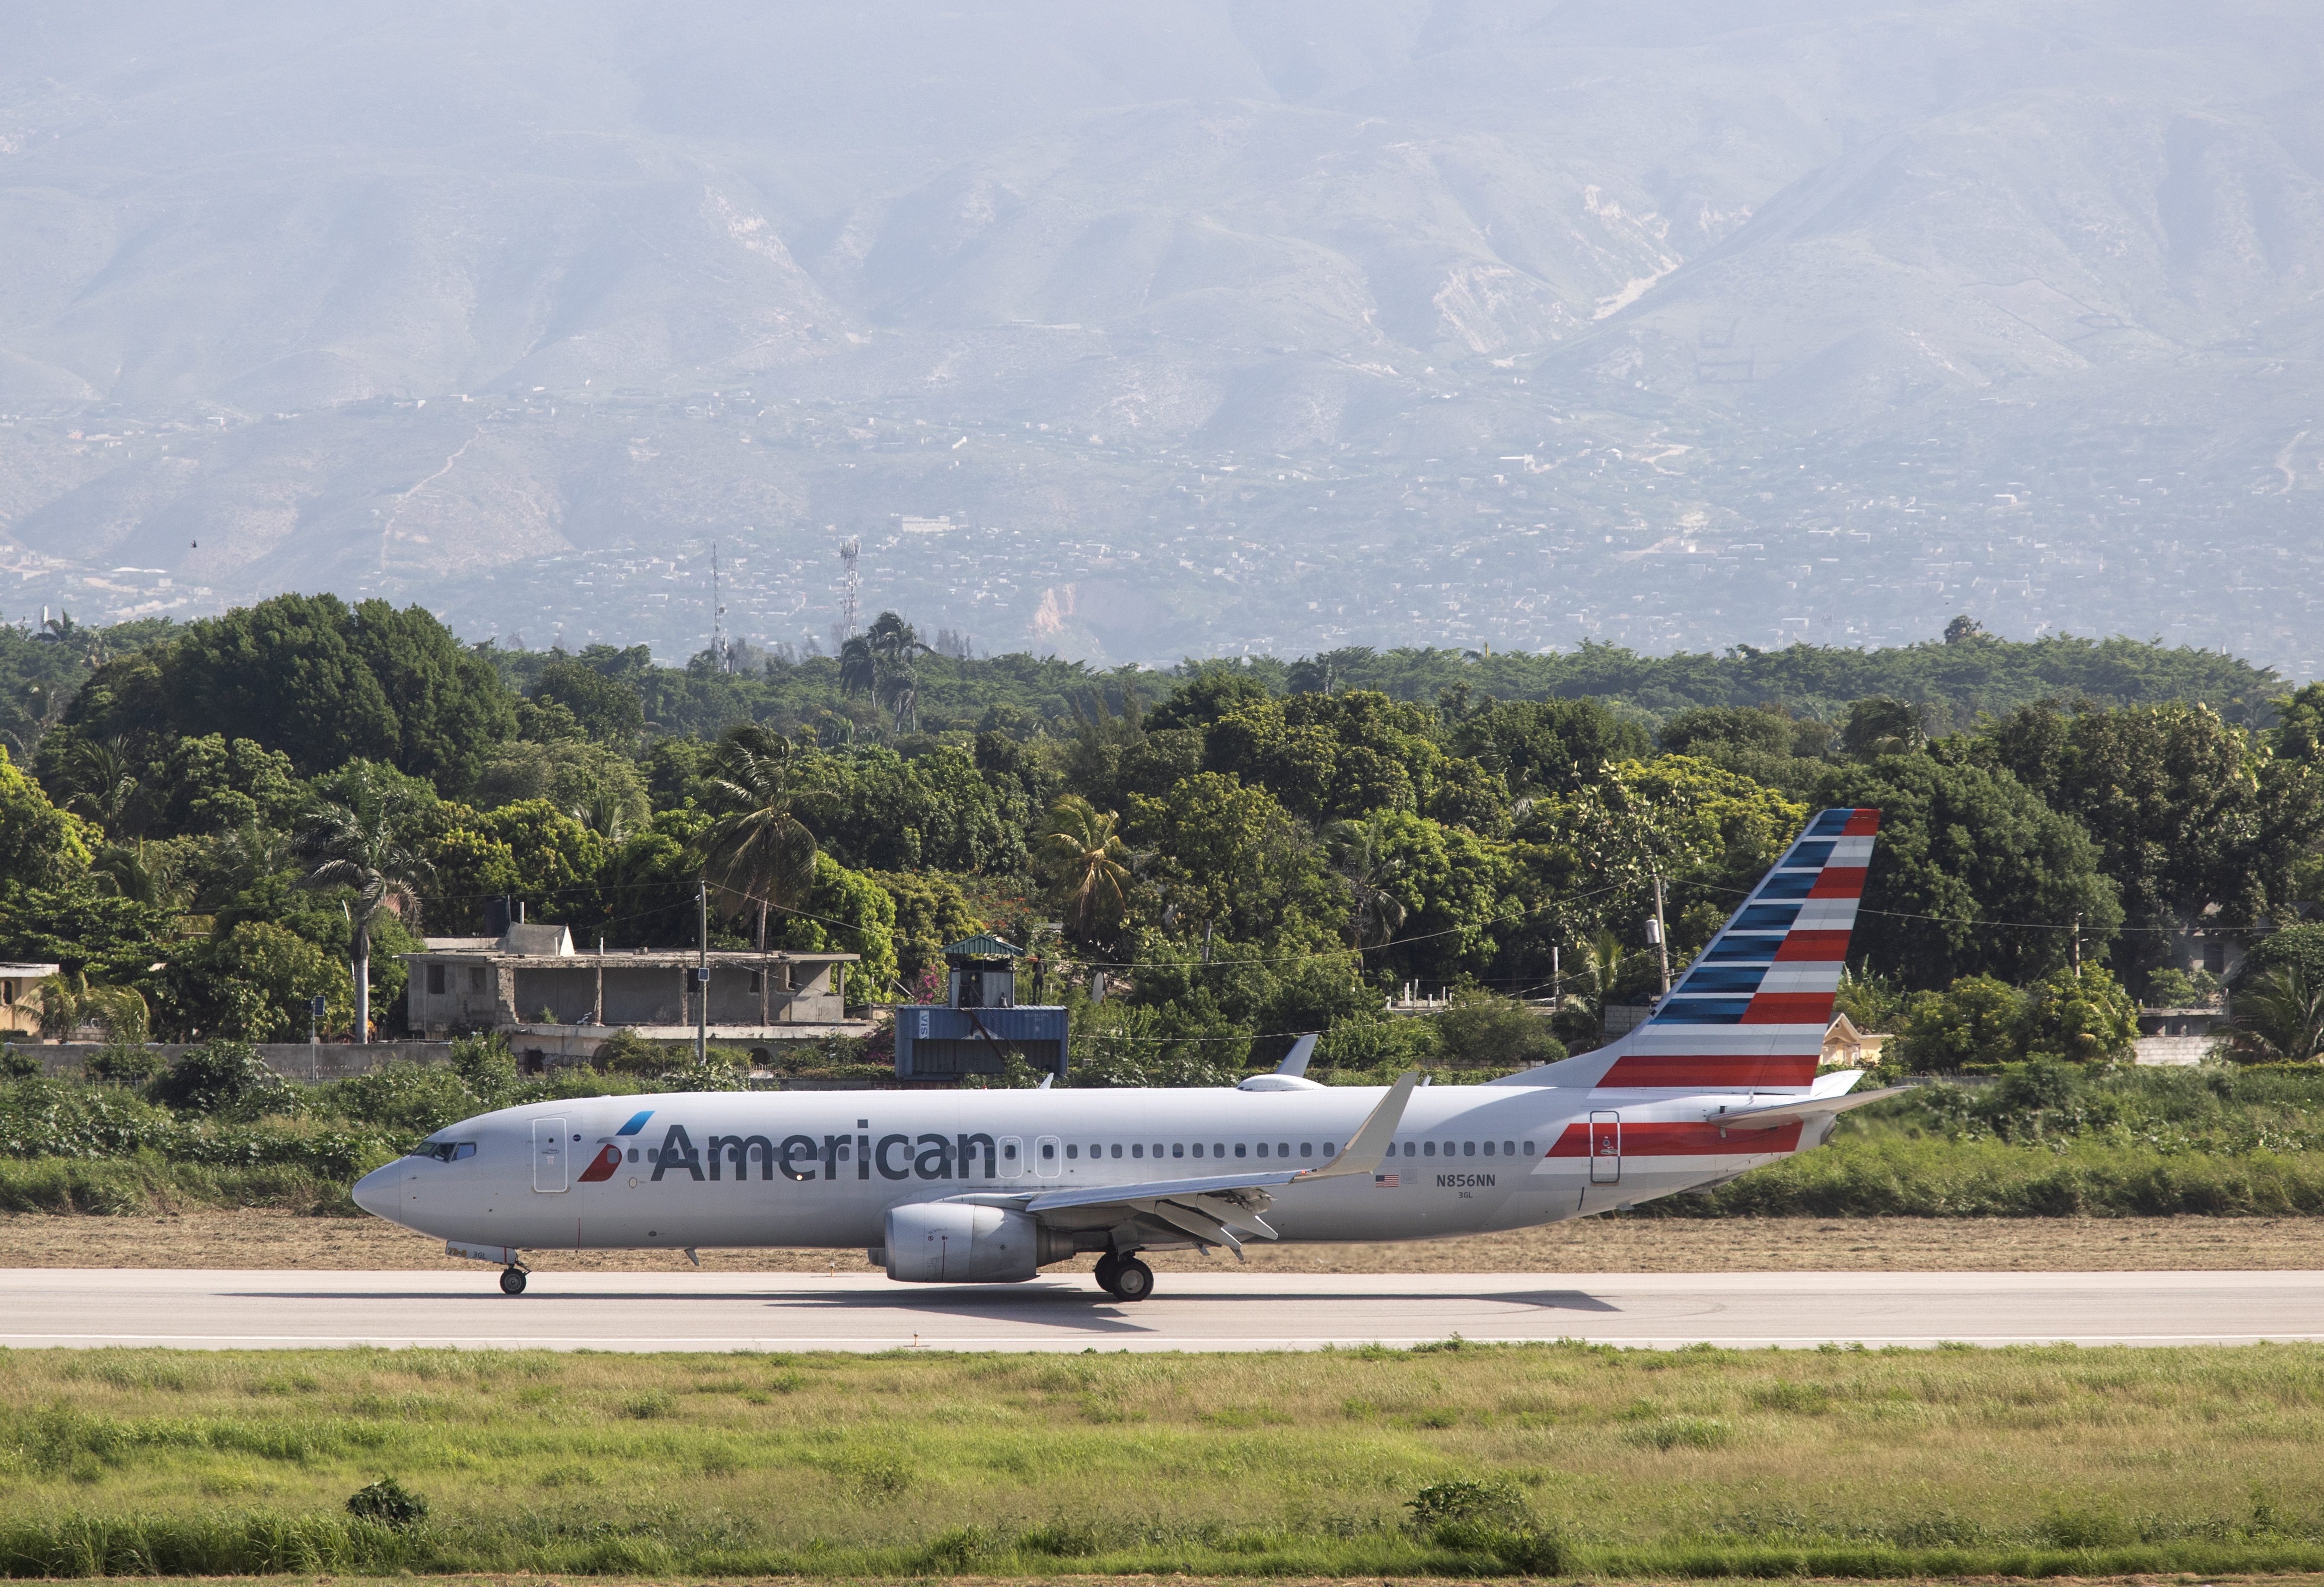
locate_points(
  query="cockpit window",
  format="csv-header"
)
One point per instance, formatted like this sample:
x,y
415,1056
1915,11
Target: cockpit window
x,y
444,1150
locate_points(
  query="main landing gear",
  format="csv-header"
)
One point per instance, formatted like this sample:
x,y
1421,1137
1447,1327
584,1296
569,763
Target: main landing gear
x,y
1125,1277
512,1280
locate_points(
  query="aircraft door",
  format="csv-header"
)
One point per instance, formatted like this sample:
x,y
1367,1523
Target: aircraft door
x,y
1012,1157
1605,1148
549,1149
1049,1157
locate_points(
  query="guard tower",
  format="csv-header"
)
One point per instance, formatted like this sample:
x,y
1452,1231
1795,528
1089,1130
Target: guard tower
x,y
979,1022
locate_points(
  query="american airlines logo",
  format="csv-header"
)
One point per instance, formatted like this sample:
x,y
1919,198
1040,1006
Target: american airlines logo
x,y
804,1158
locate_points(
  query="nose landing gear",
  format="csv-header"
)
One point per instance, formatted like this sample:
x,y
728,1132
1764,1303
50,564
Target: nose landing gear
x,y
512,1280
1125,1277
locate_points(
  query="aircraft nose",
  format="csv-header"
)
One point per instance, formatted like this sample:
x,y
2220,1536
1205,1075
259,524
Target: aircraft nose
x,y
379,1192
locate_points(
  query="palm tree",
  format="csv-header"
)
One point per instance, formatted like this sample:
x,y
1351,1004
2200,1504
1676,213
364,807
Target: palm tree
x,y
758,851
1092,862
108,785
2278,1018
67,1002
1375,912
858,667
361,845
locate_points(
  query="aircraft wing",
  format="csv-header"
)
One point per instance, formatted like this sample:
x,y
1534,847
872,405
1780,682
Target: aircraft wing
x,y
1211,1208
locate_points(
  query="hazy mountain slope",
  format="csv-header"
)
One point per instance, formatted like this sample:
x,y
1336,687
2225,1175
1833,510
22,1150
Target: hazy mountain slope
x,y
1678,323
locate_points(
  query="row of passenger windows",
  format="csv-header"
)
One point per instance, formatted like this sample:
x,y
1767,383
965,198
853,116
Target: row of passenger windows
x,y
1183,1148
1458,1148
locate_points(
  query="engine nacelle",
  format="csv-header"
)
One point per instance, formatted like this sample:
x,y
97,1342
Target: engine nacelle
x,y
953,1242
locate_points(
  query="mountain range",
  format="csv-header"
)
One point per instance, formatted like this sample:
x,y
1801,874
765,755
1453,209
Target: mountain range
x,y
1136,330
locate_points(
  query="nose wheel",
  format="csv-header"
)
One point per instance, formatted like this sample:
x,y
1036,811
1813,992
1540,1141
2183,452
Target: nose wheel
x,y
512,1281
1125,1277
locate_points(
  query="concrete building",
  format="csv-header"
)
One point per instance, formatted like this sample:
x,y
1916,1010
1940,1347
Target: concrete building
x,y
20,1011
530,979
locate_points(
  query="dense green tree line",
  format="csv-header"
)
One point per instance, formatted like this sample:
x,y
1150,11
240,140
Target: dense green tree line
x,y
228,818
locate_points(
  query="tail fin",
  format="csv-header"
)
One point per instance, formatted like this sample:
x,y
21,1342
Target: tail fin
x,y
1752,1011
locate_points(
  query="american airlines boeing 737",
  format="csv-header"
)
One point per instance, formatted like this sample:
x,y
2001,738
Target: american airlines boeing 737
x,y
990,1187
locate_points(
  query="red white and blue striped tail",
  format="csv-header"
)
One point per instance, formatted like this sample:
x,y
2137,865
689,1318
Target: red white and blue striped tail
x,y
1752,1011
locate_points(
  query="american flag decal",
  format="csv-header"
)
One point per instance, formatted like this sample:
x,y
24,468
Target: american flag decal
x,y
1386,1179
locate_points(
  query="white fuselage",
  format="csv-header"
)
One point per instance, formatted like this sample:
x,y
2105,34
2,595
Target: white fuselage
x,y
823,1168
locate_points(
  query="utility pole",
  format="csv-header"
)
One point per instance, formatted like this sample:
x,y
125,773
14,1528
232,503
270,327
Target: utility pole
x,y
2078,947
1557,978
718,616
1661,937
702,977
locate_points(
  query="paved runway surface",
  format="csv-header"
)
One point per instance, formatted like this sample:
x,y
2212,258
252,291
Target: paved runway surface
x,y
1192,1311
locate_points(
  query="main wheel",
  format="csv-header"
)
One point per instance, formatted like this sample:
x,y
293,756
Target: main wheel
x,y
1133,1280
1109,1266
512,1281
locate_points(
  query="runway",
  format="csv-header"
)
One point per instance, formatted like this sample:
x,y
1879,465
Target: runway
x,y
1228,1310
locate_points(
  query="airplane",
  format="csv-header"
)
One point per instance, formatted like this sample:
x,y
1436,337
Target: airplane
x,y
991,1186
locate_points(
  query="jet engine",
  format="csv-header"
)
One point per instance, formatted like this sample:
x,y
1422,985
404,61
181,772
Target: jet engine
x,y
953,1242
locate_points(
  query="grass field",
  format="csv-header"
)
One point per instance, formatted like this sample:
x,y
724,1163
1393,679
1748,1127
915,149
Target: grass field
x,y
1579,1460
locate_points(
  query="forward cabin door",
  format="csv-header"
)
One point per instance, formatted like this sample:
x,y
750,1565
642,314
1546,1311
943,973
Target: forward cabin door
x,y
549,1151
1605,1148
1049,1157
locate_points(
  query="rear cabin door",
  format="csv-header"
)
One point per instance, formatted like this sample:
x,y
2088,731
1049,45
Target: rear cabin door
x,y
1605,1148
549,1153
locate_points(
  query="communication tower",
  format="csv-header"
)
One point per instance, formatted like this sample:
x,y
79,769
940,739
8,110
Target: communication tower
x,y
849,550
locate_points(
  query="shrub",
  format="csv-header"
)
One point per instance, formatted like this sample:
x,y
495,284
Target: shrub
x,y
1487,1504
221,1076
19,1066
389,1503
118,1063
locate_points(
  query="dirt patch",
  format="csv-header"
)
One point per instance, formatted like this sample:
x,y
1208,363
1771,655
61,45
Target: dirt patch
x,y
269,1239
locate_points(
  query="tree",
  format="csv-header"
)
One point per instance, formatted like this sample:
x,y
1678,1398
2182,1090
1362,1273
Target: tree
x,y
757,849
606,709
2279,1017
1972,875
313,678
1482,1031
847,911
588,781
71,1000
1231,858
41,846
2193,820
1548,746
1083,851
1369,875
2083,1016
930,912
1977,1020
362,845
213,783
1878,727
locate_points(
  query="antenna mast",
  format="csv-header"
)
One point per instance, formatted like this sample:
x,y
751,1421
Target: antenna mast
x,y
849,550
717,615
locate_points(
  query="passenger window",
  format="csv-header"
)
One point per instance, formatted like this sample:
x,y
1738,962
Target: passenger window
x,y
1468,1149
1432,1150
1489,1148
843,1154
1241,1149
1218,1149
1306,1148
1117,1149
1138,1150
1049,1150
1072,1152
1508,1148
1010,1152
1283,1148
1528,1149
1262,1148
1198,1149
1157,1150
1327,1149
653,1154
1177,1149
633,1154
1407,1149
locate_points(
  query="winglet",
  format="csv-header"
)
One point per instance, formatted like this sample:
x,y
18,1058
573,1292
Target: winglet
x,y
1368,1145
1295,1062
